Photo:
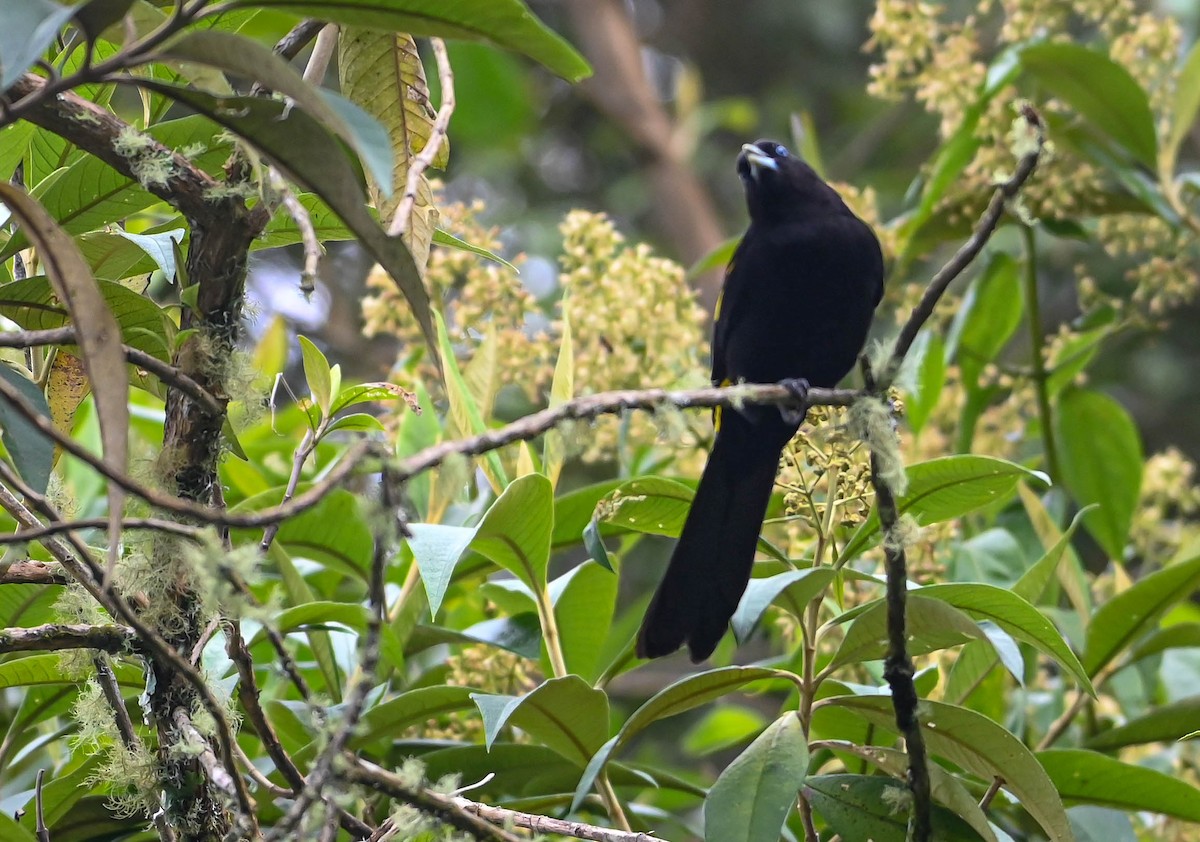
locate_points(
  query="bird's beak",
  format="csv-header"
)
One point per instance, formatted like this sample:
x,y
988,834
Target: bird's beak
x,y
757,158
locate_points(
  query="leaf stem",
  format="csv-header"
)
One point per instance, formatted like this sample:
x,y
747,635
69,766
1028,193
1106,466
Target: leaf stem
x,y
1036,349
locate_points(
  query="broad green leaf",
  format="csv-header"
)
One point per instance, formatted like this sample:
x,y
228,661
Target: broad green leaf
x,y
297,592
515,531
31,452
30,27
317,614
1032,584
681,696
977,744
751,799
520,634
652,505
799,587
573,511
314,159
989,314
437,549
34,305
872,807
463,409
722,728
1164,724
382,72
413,707
96,331
13,832
370,392
14,141
946,488
334,532
316,371
63,791
505,23
1100,90
1013,614
583,606
1127,616
1183,112
1100,452
931,625
928,378
158,247
565,714
946,789
1087,777
33,670
245,57
1180,636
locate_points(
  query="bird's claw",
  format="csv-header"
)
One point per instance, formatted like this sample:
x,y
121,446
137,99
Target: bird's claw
x,y
797,387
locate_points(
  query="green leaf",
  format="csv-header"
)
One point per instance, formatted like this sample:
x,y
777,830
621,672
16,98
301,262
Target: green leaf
x,y
505,23
722,728
946,788
799,587
1100,452
445,238
1161,725
988,316
1087,777
33,304
297,592
1118,623
931,625
245,57
333,533
314,159
1183,111
317,614
316,371
562,389
1100,90
565,714
717,258
978,745
751,799
651,505
158,246
1013,614
32,453
1180,636
413,707
464,410
874,807
30,27
679,697
515,531
584,600
928,356
437,549
946,488
573,511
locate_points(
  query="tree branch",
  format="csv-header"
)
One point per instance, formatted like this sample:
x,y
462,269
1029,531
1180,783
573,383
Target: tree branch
x,y
34,573
53,637
544,824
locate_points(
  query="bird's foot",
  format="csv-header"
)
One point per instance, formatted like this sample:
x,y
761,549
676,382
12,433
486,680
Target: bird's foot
x,y
797,387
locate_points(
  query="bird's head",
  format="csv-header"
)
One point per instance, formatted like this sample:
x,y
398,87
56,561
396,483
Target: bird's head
x,y
779,185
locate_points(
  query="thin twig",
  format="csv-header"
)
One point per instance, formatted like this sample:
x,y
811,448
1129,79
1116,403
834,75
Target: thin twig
x,y
43,832
352,705
898,666
170,527
322,54
313,250
443,807
164,371
422,162
968,251
503,817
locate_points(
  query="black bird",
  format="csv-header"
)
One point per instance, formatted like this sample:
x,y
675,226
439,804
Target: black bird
x,y
796,307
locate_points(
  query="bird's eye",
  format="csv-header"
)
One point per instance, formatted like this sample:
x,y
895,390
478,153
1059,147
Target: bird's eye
x,y
781,151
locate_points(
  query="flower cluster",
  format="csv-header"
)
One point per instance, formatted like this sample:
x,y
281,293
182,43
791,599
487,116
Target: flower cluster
x,y
634,323
480,299
1167,517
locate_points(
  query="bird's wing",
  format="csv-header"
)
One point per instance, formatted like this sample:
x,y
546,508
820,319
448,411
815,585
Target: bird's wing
x,y
726,308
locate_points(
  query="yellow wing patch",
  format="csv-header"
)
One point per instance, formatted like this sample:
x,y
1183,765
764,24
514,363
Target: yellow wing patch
x,y
717,409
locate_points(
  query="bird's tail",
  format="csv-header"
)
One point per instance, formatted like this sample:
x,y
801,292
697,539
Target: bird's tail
x,y
711,564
